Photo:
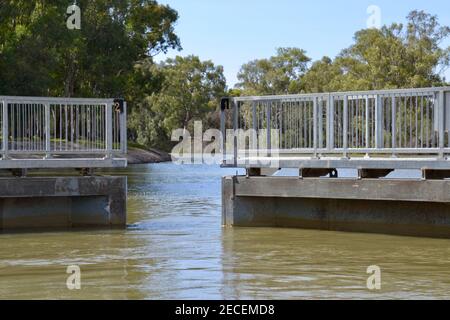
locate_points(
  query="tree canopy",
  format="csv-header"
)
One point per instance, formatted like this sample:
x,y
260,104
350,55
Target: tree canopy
x,y
112,55
277,75
395,56
40,56
189,90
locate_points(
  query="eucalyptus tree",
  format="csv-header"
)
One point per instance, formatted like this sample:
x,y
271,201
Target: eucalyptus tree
x,y
396,56
39,55
188,89
279,74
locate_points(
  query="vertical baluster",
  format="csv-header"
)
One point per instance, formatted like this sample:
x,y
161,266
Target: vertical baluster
x,y
330,131
47,130
109,126
367,122
378,123
441,123
345,128
315,126
393,119
5,133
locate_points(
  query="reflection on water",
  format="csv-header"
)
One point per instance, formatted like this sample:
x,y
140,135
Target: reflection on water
x,y
329,265
175,248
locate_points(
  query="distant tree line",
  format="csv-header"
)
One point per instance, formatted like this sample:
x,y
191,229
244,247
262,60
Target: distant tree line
x,y
113,56
395,56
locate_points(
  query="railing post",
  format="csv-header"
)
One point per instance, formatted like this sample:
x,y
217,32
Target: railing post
x,y
394,126
109,130
47,131
269,127
315,125
378,123
345,129
330,123
5,126
447,112
235,106
320,121
255,128
367,136
123,129
224,105
441,123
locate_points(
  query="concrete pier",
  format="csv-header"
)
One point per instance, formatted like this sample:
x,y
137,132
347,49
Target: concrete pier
x,y
62,202
401,207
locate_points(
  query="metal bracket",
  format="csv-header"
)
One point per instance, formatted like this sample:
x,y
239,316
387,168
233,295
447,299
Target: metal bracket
x,y
225,104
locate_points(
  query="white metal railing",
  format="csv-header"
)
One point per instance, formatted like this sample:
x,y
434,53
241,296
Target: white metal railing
x,y
37,131
394,125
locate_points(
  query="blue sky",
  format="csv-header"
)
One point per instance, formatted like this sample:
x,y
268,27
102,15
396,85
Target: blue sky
x,y
233,32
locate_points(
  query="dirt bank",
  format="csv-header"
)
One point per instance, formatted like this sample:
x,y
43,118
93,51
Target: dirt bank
x,y
139,156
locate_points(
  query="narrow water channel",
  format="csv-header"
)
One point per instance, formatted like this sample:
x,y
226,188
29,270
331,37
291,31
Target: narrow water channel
x,y
175,248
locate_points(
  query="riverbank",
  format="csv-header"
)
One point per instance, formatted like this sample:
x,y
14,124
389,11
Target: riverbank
x,y
141,156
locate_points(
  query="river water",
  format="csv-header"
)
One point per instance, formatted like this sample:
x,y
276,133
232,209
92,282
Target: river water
x,y
175,248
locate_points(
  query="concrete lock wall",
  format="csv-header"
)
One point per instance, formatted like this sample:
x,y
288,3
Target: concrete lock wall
x,y
62,202
402,207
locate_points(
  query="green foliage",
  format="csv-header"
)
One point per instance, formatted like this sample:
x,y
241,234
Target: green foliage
x,y
323,76
112,56
396,56
279,74
189,90
40,56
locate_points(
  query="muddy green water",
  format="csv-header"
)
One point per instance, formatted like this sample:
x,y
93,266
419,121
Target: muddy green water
x,y
175,248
